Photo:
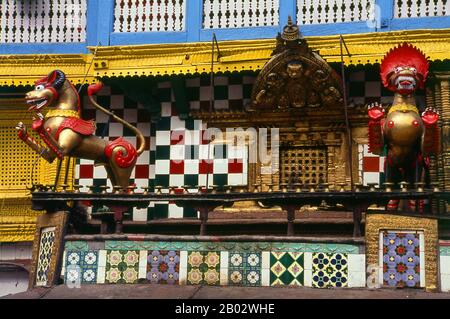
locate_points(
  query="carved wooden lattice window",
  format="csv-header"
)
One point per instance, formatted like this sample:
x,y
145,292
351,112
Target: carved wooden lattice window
x,y
149,15
305,165
333,11
421,8
220,14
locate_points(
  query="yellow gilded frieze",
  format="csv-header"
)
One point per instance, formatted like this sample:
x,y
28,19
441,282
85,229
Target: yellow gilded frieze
x,y
191,58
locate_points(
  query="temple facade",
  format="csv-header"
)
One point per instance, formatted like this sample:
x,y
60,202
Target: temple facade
x,y
260,106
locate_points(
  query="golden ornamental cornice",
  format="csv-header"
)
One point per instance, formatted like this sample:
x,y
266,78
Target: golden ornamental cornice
x,y
25,69
192,58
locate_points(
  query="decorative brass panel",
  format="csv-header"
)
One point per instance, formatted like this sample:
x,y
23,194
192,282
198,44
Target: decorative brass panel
x,y
384,222
305,165
55,223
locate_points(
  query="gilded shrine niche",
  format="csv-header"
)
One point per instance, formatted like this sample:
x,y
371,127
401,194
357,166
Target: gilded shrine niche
x,y
298,83
296,77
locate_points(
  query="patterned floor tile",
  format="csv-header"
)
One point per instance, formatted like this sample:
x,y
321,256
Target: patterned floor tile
x,y
163,267
329,270
244,268
122,267
401,260
286,269
83,264
203,268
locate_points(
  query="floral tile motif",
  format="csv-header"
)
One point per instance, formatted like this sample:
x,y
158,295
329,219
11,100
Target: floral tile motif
x,y
81,266
45,255
122,267
203,268
401,259
163,267
286,269
244,269
329,270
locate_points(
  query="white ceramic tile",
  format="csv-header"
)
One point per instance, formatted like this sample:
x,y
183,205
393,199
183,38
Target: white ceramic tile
x,y
220,166
100,172
445,282
223,276
422,268
144,127
445,264
130,115
162,137
191,166
175,211
182,276
356,279
224,257
177,152
166,109
101,273
380,267
422,242
176,124
205,93
235,92
308,277
152,143
144,158
115,129
183,259
203,151
307,260
63,268
102,258
236,179
422,277
176,180
143,264
356,263
380,241
162,167
265,277
265,263
370,177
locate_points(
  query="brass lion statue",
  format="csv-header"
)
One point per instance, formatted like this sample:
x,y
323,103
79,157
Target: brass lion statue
x,y
65,133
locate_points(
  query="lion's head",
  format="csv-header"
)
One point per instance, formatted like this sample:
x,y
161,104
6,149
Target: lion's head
x,y
46,90
404,69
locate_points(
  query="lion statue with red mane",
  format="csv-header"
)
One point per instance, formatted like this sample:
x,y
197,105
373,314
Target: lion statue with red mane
x,y
405,134
64,133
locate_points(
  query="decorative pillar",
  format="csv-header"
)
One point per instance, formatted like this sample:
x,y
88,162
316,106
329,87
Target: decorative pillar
x,y
445,104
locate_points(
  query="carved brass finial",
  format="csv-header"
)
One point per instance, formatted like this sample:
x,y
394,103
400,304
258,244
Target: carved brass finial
x,y
290,31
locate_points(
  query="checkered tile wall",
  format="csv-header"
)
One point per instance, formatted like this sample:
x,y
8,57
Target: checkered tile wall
x,y
177,152
371,166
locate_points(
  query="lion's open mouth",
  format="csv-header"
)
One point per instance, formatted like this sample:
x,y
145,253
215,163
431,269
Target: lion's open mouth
x,y
406,83
36,104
